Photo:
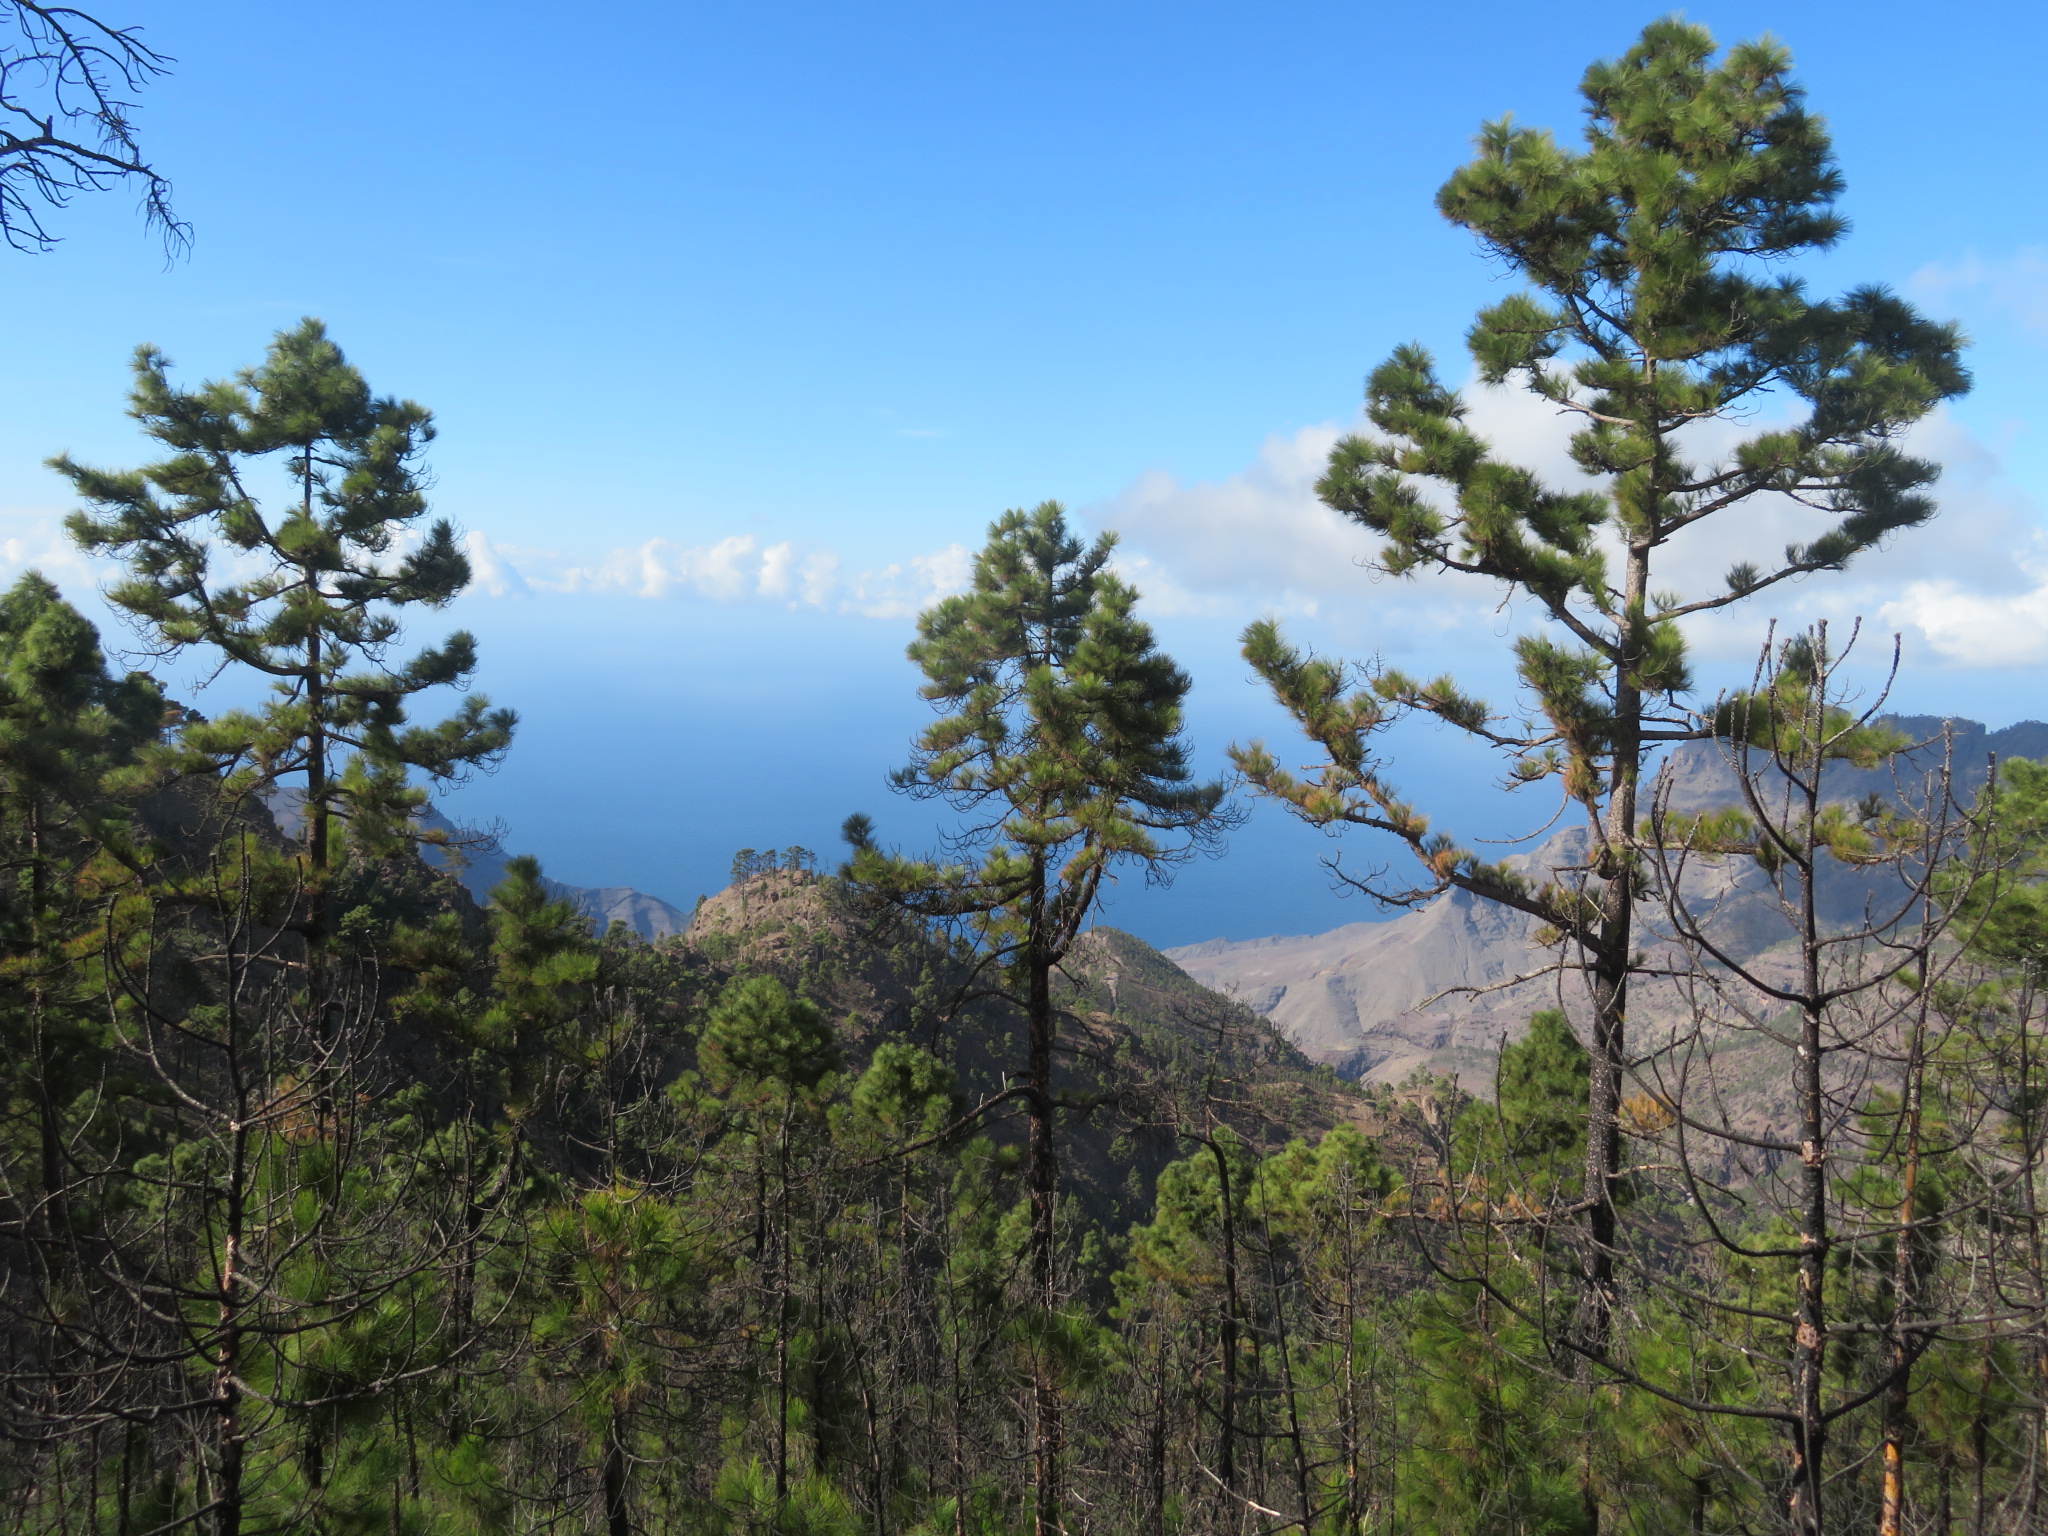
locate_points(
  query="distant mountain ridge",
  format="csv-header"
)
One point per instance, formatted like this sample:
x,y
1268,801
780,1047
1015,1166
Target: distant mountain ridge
x,y
480,864
1358,998
1696,777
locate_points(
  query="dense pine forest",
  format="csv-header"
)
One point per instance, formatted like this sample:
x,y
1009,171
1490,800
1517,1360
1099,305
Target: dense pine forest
x,y
900,1196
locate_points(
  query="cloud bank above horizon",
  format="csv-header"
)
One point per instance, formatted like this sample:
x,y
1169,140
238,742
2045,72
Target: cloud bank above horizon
x,y
1972,591
1968,590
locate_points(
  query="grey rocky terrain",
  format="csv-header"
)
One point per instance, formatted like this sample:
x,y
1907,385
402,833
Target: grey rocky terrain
x,y
1379,1000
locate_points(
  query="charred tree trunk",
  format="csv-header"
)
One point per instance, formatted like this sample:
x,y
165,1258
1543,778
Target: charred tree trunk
x,y
1226,1435
617,1514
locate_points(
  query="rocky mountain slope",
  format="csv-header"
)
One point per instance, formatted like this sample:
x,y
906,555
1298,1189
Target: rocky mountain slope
x,y
1369,999
1356,997
1146,1050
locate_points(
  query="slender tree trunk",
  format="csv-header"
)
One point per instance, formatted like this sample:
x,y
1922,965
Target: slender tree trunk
x,y
1280,1339
947,1310
1347,1418
1155,1447
319,957
316,735
123,1494
959,1447
412,1456
1357,1493
1043,1180
317,815
227,1386
316,786
51,1222
782,1314
1809,1338
1897,1394
464,1299
617,1515
1226,1437
2028,1126
894,1285
1980,1450
1610,963
2037,1462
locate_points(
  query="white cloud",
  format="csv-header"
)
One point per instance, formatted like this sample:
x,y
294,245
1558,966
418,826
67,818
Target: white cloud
x,y
1965,589
737,569
1977,628
820,579
778,569
723,571
31,541
490,569
1259,534
734,569
1165,596
2016,284
901,591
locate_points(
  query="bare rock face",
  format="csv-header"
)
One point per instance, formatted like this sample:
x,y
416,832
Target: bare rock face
x,y
1434,989
1359,997
648,916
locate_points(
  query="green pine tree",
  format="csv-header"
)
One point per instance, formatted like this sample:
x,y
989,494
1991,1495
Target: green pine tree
x,y
69,732
547,965
328,574
2000,893
65,721
1500,1445
774,1059
1657,298
1060,739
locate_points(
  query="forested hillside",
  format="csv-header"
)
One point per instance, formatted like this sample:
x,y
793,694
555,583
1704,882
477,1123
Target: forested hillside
x,y
468,1218
894,1194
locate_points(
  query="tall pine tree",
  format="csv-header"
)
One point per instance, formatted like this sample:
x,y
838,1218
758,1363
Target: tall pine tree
x,y
1059,738
307,593
69,731
1657,300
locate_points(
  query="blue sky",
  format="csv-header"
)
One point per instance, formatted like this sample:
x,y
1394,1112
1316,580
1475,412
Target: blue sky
x,y
741,322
